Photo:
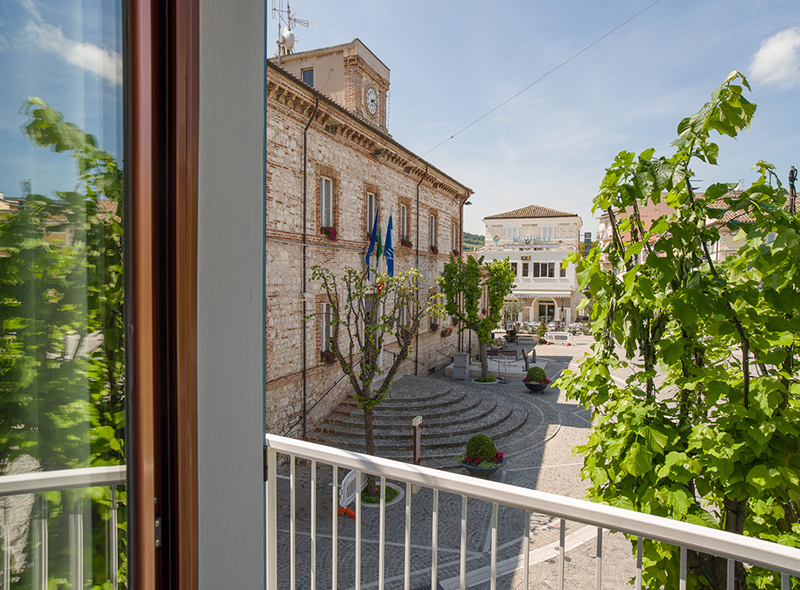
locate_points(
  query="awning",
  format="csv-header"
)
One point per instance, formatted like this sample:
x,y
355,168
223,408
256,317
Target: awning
x,y
542,294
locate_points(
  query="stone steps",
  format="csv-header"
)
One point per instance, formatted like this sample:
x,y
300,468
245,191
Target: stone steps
x,y
451,413
475,409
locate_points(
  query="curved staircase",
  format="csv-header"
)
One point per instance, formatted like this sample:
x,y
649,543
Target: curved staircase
x,y
451,413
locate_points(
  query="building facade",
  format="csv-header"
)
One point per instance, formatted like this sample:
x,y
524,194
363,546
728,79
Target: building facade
x,y
536,241
330,166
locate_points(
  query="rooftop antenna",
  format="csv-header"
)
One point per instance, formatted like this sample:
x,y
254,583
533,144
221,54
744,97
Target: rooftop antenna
x,y
289,21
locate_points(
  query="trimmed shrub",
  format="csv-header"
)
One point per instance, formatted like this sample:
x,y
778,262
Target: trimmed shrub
x,y
481,447
536,374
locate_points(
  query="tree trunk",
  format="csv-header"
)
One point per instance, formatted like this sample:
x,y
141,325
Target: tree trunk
x,y
369,438
484,360
735,515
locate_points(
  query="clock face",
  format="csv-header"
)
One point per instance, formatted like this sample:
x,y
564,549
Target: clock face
x,y
372,100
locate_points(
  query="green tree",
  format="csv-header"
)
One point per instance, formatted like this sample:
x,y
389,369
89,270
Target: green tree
x,y
512,308
363,315
463,283
705,428
62,399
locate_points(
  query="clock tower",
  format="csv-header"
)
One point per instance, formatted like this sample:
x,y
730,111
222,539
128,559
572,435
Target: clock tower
x,y
349,74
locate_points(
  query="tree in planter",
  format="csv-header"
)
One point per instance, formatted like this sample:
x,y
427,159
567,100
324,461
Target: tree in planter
x,y
512,309
365,313
468,278
717,443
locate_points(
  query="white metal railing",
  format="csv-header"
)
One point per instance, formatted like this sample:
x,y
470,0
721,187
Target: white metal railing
x,y
736,548
40,482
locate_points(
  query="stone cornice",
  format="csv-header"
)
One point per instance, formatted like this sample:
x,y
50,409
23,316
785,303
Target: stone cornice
x,y
286,90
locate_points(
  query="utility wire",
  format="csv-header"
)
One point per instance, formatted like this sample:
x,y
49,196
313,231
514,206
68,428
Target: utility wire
x,y
542,77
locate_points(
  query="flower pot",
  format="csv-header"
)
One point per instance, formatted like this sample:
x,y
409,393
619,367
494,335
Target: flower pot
x,y
483,471
536,387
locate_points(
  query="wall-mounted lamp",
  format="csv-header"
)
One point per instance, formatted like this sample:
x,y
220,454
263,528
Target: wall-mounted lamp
x,y
467,203
378,154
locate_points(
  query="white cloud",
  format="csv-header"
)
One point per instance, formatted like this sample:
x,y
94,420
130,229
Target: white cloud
x,y
87,56
778,60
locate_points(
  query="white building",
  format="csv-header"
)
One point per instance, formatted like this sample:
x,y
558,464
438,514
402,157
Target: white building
x,y
536,240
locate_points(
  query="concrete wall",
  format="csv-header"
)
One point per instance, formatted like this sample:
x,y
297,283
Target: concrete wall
x,y
230,295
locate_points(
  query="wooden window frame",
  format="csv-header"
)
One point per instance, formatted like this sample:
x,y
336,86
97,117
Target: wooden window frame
x,y
161,152
323,211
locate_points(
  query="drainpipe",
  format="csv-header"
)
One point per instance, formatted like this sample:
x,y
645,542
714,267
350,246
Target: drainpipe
x,y
461,255
305,270
416,338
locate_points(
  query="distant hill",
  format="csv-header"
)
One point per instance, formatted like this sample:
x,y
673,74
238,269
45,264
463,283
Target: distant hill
x,y
473,241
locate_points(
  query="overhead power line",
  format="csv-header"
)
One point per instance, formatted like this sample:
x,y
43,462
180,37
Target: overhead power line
x,y
542,77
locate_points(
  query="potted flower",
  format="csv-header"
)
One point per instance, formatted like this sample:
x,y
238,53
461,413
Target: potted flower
x,y
481,457
536,380
327,357
456,253
328,231
434,250
434,326
406,243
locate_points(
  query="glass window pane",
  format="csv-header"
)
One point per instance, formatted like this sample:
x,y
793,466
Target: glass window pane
x,y
62,291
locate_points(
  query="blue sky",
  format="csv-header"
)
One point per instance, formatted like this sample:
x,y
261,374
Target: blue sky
x,y
67,52
452,61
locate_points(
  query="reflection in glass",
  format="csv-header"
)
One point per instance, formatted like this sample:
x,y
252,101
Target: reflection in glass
x,y
62,372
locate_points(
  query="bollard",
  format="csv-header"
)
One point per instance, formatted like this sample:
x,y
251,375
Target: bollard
x,y
416,423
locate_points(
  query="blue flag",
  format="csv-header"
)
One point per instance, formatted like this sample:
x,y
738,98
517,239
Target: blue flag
x,y
388,251
372,239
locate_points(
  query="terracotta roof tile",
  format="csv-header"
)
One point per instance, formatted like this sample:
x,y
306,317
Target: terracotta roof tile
x,y
532,211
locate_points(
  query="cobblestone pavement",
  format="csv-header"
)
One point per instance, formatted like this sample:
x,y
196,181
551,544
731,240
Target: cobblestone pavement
x,y
540,459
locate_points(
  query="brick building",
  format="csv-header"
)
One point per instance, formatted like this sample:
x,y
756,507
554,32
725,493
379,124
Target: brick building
x,y
330,163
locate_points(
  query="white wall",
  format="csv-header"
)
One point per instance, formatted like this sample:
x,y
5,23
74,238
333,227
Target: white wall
x,y
230,297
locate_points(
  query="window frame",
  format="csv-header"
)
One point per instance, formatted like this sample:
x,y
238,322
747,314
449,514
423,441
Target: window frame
x,y
432,230
403,221
326,198
303,73
326,330
372,203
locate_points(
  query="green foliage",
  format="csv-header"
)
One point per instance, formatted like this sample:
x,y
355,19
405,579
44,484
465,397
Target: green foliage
x,y
473,241
364,313
487,379
705,428
541,330
536,374
482,447
512,308
61,403
366,498
463,283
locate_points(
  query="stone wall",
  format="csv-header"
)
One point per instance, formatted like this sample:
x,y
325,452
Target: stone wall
x,y
339,147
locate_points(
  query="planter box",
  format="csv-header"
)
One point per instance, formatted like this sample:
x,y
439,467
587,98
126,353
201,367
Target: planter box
x,y
483,471
536,387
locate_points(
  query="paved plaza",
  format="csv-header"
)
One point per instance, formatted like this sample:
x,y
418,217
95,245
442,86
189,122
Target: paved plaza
x,y
539,457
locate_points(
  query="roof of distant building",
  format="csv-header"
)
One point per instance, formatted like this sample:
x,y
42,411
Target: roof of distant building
x,y
531,211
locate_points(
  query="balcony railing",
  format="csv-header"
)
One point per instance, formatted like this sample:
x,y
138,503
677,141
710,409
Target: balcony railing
x,y
736,548
19,495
